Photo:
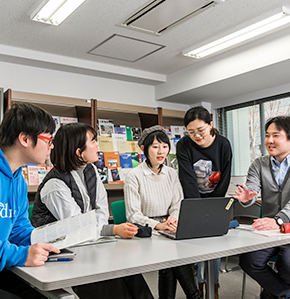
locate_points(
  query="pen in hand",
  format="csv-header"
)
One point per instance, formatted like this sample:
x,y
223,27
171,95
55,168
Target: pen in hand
x,y
59,259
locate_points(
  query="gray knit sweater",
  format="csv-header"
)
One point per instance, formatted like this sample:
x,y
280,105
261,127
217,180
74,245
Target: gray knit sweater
x,y
275,199
148,195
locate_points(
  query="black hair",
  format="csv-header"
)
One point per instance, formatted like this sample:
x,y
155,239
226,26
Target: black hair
x,y
199,112
67,140
160,137
24,118
281,122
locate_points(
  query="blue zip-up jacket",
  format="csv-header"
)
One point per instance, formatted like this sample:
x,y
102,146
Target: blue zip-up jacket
x,y
15,227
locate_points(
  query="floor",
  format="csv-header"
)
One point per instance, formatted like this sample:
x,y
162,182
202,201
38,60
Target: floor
x,y
230,283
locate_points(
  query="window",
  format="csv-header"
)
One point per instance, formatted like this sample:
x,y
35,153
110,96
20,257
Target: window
x,y
244,126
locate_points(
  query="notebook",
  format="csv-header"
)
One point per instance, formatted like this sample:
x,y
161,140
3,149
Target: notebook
x,y
202,217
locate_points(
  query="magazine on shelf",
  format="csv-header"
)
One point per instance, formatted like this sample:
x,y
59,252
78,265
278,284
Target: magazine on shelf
x,y
106,144
123,146
126,160
103,173
114,175
116,138
106,127
101,161
67,120
120,130
68,232
112,159
136,133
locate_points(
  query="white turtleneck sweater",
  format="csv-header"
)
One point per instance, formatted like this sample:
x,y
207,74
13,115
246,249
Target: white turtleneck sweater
x,y
149,195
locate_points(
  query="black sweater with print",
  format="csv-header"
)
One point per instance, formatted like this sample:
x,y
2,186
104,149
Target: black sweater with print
x,y
204,171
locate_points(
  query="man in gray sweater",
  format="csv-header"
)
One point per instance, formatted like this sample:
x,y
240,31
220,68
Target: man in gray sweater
x,y
270,174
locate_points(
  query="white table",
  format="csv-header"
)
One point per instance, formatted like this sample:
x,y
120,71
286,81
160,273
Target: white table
x,y
127,257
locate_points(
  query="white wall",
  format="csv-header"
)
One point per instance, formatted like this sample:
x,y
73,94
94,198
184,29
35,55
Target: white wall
x,y
60,83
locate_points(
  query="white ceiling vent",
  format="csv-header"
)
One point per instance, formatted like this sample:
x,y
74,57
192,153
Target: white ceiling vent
x,y
159,15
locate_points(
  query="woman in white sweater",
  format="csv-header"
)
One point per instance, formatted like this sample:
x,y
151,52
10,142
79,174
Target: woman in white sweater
x,y
152,196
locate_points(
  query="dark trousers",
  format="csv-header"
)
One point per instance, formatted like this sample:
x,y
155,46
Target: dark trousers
x,y
167,280
11,283
255,264
129,287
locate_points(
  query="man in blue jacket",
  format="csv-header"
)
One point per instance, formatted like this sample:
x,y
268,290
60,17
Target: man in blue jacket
x,y
25,137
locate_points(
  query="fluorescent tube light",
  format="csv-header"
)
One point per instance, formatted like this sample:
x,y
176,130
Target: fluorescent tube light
x,y
55,11
242,35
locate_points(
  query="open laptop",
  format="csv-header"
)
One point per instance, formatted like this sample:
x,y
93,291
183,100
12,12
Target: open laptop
x,y
202,217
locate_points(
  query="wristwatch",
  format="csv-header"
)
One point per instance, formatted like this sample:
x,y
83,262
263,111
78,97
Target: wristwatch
x,y
279,220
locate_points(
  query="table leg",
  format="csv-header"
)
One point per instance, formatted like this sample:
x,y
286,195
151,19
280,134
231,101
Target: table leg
x,y
210,279
57,294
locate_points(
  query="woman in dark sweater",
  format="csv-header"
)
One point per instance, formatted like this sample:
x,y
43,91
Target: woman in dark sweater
x,y
204,159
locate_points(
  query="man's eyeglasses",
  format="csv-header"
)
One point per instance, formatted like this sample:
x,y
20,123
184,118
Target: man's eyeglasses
x,y
49,139
200,132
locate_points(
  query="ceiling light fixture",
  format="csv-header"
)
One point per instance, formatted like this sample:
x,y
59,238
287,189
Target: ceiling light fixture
x,y
242,35
55,11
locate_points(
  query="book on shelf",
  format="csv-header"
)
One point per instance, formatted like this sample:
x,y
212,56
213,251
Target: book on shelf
x,y
120,130
114,175
101,160
57,123
68,232
41,175
173,143
133,146
106,144
116,138
135,159
103,173
106,127
136,133
25,174
67,120
141,157
32,171
123,173
173,161
177,131
123,146
129,132
112,159
168,131
126,160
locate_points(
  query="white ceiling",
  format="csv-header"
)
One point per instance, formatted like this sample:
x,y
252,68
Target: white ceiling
x,y
67,46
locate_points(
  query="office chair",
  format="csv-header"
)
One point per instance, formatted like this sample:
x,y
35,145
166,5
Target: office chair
x,y
30,208
119,211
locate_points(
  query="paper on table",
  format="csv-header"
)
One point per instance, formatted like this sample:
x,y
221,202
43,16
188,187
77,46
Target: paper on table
x,y
68,232
267,233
